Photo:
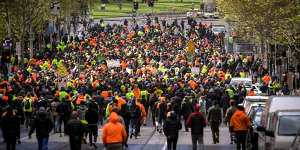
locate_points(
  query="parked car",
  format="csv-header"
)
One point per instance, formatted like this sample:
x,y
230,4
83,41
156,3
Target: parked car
x,y
247,82
245,49
279,123
251,102
216,29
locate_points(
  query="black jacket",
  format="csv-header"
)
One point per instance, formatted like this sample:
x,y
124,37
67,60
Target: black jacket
x,y
214,114
163,109
172,126
43,125
125,114
92,117
10,126
100,101
134,111
75,130
186,108
197,122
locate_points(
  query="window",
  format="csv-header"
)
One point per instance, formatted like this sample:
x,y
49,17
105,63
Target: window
x,y
288,125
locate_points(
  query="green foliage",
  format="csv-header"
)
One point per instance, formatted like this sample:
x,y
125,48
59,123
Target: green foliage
x,y
269,20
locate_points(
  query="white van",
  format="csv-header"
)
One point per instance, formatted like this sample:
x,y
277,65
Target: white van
x,y
247,82
279,123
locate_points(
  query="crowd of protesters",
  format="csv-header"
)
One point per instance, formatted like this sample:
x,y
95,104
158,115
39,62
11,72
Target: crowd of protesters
x,y
78,84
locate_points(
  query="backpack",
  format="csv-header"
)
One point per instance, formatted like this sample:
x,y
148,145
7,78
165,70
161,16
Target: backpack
x,y
163,108
63,109
27,104
53,108
133,111
93,106
67,108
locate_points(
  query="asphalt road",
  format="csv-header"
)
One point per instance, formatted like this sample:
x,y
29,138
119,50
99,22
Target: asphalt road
x,y
149,140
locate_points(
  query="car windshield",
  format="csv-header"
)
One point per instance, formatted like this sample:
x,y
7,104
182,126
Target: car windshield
x,y
246,83
244,47
252,109
257,118
256,99
288,125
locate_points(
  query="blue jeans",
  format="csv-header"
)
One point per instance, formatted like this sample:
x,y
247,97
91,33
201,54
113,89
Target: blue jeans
x,y
43,143
56,122
133,126
28,117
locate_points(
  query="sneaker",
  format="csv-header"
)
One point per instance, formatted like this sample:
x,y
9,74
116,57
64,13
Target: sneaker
x,y
95,146
131,135
90,147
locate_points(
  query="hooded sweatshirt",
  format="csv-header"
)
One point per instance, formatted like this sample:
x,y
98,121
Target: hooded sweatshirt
x,y
240,121
113,131
42,124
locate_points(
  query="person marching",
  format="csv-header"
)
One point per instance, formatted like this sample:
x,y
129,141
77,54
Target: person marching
x,y
239,123
196,121
229,112
163,108
134,112
75,130
214,118
43,125
10,126
92,117
114,134
27,108
187,109
171,129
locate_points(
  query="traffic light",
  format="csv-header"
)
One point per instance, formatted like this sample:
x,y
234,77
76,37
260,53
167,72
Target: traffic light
x,y
151,3
136,5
